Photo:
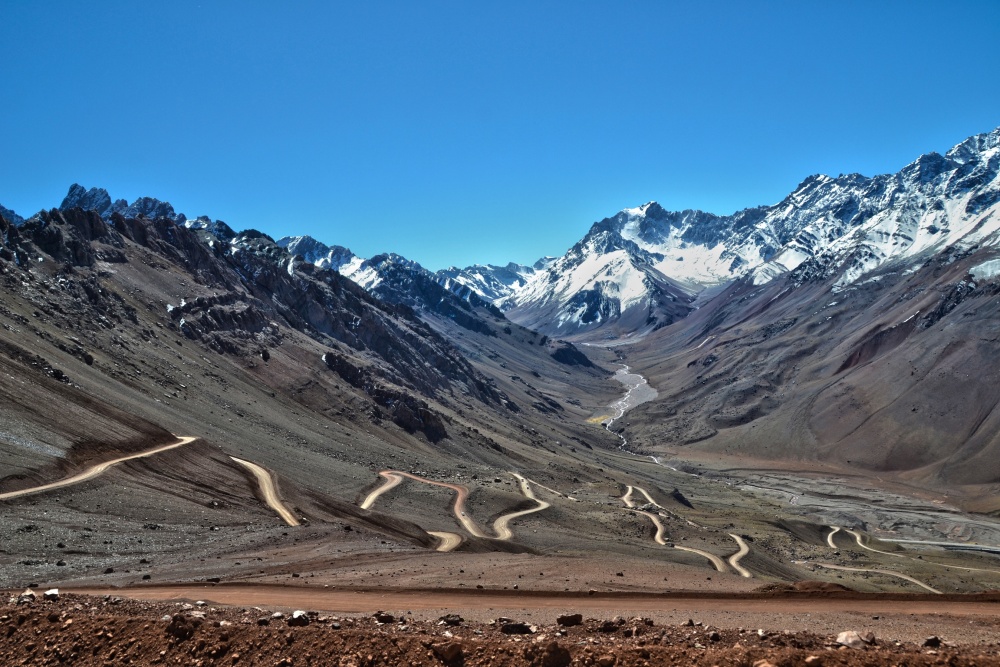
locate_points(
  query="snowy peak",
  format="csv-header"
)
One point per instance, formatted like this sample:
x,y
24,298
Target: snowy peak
x,y
974,148
336,258
604,279
846,226
368,273
215,227
487,282
494,283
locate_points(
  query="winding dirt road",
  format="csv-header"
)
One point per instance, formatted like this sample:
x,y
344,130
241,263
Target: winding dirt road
x,y
553,491
734,560
95,470
395,477
392,480
502,525
719,564
890,573
268,489
449,541
858,538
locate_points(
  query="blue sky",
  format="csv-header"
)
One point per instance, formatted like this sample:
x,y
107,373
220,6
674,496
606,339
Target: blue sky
x,y
458,132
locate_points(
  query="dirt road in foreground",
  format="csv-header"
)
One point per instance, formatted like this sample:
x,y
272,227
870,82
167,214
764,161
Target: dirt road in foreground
x,y
364,601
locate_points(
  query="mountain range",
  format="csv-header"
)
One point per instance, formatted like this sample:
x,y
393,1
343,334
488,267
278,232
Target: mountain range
x,y
642,268
849,330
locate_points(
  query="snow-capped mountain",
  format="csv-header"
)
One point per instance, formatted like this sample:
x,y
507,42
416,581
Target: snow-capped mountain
x,y
488,283
604,279
643,268
649,261
365,272
495,283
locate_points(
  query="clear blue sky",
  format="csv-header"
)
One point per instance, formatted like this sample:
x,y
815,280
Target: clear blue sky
x,y
461,132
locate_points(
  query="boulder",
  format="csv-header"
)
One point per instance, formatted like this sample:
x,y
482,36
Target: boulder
x,y
516,629
555,655
851,639
569,620
449,653
298,619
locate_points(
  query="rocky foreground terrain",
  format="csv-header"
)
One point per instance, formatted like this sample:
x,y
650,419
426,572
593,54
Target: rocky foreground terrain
x,y
84,630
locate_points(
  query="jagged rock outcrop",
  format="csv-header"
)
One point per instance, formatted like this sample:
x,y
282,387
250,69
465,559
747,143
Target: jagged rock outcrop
x,y
67,237
94,199
11,217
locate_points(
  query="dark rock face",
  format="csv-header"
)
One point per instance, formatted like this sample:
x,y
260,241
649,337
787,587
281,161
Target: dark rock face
x,y
11,217
566,353
13,246
67,237
95,199
409,412
180,246
260,289
148,207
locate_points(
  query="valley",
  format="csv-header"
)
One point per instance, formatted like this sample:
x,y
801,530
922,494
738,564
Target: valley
x,y
820,432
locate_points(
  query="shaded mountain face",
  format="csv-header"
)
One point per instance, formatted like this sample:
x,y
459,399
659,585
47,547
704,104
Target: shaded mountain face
x,y
896,373
647,259
254,291
436,297
112,297
116,333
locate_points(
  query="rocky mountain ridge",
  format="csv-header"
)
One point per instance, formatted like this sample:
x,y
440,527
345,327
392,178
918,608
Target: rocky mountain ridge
x,y
643,268
391,341
487,282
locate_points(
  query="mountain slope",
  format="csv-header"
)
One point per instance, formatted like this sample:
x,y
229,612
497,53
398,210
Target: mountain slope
x,y
896,374
116,333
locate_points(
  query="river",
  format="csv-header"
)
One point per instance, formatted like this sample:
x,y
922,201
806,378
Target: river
x,y
638,391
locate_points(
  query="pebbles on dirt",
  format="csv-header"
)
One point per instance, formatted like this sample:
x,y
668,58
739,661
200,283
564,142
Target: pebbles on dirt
x,y
85,631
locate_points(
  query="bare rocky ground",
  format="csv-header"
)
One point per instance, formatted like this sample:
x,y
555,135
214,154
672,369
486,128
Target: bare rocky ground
x,y
108,630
